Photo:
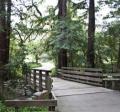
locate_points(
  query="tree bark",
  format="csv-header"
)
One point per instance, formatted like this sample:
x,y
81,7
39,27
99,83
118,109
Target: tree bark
x,y
62,58
62,5
91,33
5,14
8,27
2,33
62,55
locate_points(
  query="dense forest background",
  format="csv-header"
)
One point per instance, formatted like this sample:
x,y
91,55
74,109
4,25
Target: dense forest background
x,y
71,33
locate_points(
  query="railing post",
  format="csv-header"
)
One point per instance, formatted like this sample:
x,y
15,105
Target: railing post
x,y
46,79
40,81
29,78
26,78
34,80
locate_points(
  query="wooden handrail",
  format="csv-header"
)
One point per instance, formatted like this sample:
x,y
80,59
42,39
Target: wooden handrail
x,y
83,69
91,76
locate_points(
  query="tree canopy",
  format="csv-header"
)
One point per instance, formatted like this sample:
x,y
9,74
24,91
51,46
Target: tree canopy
x,y
64,33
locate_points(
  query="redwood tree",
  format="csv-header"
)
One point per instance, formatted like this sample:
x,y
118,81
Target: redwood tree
x,y
5,14
62,55
91,33
8,28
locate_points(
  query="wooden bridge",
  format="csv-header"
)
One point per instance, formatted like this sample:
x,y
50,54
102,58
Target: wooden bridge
x,y
72,96
78,97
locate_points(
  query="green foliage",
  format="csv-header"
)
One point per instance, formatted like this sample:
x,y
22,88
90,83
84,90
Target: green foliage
x,y
72,37
107,47
33,65
54,72
69,33
18,54
36,49
114,29
23,33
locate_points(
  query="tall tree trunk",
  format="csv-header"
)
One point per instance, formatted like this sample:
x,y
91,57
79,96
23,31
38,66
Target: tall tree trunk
x,y
2,33
5,14
62,55
62,5
8,27
91,33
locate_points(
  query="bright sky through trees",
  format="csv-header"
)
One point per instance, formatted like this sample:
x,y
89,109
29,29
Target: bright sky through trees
x,y
48,3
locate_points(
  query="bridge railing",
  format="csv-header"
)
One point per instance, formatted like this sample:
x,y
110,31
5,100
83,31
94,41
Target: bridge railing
x,y
39,79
